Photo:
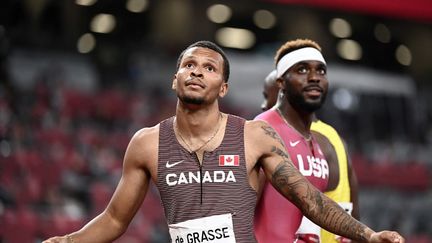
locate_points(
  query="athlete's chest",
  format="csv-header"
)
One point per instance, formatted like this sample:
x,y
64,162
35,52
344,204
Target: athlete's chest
x,y
216,167
307,156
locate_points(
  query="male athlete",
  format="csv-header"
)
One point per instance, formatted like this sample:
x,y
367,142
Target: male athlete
x,y
330,144
206,163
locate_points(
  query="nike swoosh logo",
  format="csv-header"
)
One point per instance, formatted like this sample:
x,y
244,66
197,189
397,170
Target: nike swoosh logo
x,y
293,144
168,165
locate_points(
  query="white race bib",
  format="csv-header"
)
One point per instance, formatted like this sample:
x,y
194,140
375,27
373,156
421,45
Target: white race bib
x,y
347,206
215,229
307,227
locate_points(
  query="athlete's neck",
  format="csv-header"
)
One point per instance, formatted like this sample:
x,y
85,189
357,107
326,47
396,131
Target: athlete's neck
x,y
300,121
197,122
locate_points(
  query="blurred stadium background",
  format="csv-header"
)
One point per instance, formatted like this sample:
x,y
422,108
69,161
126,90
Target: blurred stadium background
x,y
78,78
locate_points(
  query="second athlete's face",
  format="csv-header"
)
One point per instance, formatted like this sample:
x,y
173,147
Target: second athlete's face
x,y
270,93
199,79
305,85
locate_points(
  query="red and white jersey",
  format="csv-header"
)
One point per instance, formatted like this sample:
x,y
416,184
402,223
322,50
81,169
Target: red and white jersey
x,y
276,218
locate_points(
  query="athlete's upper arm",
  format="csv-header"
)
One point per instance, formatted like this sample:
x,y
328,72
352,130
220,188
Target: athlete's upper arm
x,y
140,157
273,158
331,158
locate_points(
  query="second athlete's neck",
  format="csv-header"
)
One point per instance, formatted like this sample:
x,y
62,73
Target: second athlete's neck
x,y
298,121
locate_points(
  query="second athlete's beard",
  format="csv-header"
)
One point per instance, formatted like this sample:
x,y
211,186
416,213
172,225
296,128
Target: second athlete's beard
x,y
298,101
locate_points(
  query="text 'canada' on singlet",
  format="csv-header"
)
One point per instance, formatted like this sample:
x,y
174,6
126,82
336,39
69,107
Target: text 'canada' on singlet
x,y
277,219
209,203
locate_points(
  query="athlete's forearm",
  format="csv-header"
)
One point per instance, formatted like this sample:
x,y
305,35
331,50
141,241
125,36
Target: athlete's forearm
x,y
332,217
103,228
315,205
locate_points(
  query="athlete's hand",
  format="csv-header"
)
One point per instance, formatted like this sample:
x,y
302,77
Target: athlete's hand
x,y
341,239
386,237
307,238
57,239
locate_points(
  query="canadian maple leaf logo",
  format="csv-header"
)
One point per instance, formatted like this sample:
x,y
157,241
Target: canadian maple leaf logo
x,y
229,160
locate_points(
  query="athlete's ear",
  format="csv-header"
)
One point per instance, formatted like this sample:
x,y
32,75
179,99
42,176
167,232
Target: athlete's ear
x,y
174,82
223,89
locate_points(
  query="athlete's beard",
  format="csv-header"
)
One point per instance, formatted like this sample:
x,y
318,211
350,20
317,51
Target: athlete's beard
x,y
191,100
297,100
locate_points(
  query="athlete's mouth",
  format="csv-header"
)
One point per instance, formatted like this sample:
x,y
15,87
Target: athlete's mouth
x,y
313,91
315,88
195,82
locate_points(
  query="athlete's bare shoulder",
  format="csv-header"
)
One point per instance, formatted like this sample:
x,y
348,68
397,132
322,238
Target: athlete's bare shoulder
x,y
261,140
143,148
145,134
259,131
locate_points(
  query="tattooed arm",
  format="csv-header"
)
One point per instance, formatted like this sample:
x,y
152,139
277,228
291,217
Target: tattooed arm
x,y
265,143
315,205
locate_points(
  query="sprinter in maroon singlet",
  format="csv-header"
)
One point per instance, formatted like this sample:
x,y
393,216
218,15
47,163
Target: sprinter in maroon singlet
x,y
206,165
181,174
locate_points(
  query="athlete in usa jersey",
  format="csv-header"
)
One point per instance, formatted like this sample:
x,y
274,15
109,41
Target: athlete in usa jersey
x,y
342,183
277,220
301,76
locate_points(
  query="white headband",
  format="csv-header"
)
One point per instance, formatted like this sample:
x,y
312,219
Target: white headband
x,y
303,54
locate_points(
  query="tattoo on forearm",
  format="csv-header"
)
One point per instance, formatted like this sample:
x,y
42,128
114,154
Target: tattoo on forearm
x,y
287,180
339,221
317,207
272,133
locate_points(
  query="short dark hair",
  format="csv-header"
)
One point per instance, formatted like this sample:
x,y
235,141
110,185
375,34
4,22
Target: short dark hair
x,y
212,46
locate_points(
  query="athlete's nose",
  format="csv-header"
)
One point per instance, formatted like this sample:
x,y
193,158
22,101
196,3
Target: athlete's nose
x,y
314,77
196,73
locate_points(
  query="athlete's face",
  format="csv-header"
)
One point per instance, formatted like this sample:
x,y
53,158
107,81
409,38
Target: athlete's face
x,y
199,79
305,85
270,93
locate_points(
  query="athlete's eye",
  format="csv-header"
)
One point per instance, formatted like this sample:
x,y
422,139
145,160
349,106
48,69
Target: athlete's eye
x,y
189,65
322,71
210,68
302,70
